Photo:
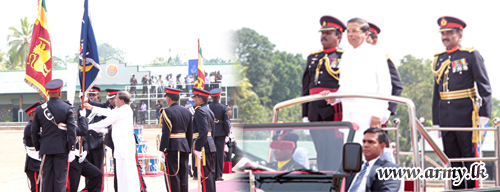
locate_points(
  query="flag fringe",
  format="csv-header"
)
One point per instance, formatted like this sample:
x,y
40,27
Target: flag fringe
x,y
31,84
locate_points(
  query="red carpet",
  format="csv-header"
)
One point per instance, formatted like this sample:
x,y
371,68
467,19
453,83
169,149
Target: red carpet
x,y
230,185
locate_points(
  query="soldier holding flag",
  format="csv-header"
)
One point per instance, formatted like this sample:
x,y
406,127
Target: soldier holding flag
x,y
56,143
176,141
204,146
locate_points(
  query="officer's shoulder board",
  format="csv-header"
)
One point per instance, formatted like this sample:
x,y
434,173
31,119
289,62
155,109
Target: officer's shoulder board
x,y
340,50
468,49
316,52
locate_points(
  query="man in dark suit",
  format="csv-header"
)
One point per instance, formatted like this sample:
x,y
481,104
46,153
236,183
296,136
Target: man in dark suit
x,y
176,140
56,143
367,179
203,128
322,74
32,164
222,126
462,95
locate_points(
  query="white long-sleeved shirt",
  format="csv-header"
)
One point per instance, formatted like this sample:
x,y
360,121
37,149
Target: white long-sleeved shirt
x,y
364,71
121,120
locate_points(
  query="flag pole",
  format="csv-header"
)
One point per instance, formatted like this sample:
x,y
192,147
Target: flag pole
x,y
83,96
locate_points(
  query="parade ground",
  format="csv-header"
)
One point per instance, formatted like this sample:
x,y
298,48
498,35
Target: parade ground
x,y
13,155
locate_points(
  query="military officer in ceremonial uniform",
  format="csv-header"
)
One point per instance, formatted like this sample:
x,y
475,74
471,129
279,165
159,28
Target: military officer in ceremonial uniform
x,y
397,86
322,73
456,101
81,166
283,156
32,164
56,143
204,146
222,126
95,152
176,140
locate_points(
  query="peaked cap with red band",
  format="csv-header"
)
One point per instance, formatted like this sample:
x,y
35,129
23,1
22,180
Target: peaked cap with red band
x,y
331,23
172,91
215,92
112,93
200,92
447,23
95,89
54,85
32,108
374,28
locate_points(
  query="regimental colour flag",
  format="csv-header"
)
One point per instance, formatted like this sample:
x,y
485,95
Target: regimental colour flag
x,y
39,61
200,81
88,53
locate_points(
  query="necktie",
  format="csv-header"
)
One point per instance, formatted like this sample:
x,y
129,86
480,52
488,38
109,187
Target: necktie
x,y
361,174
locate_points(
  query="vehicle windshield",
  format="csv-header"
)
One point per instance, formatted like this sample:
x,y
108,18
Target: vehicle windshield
x,y
291,146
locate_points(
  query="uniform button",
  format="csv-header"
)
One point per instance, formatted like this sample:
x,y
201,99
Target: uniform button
x,y
321,72
448,102
319,82
309,66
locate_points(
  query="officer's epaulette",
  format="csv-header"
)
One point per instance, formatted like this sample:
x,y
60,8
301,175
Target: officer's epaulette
x,y
468,49
439,53
315,52
340,50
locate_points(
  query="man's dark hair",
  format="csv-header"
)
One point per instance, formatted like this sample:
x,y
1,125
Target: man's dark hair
x,y
373,35
204,99
123,95
381,136
215,98
459,31
364,24
173,97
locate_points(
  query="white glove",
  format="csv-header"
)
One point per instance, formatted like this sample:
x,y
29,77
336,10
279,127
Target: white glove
x,y
483,121
82,157
103,131
226,149
305,120
198,154
71,156
162,157
439,132
83,113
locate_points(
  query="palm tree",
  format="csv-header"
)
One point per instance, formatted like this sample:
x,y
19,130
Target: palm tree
x,y
20,41
2,61
12,62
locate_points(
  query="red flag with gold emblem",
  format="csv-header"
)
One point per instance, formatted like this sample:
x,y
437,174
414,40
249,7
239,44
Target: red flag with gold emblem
x,y
39,62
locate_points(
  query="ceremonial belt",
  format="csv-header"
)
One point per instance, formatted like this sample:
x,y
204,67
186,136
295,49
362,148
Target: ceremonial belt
x,y
177,135
476,102
317,90
195,135
459,94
